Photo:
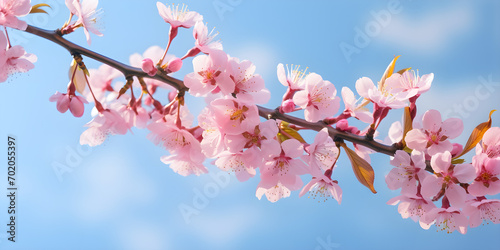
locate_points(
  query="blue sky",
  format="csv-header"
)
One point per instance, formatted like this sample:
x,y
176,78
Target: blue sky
x,y
120,196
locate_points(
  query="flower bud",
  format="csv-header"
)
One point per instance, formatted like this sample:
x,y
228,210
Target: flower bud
x,y
457,149
342,125
149,67
288,106
76,106
174,65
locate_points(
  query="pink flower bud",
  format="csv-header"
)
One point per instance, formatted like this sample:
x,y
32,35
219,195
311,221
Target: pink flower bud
x,y
288,106
343,125
174,65
149,67
457,149
62,101
76,106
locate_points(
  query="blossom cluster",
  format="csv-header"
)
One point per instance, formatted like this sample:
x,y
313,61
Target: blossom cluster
x,y
232,131
461,187
13,59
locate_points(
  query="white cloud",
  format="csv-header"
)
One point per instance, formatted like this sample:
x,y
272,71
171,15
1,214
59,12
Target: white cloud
x,y
430,32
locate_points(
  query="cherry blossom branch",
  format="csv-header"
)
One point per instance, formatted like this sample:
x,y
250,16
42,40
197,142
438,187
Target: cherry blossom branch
x,y
125,69
317,126
129,71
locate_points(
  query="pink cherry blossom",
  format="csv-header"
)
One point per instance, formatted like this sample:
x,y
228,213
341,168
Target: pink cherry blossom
x,y
395,133
323,187
249,87
234,117
448,176
10,10
243,164
382,98
434,133
354,109
87,15
135,116
184,164
261,138
175,139
318,98
408,169
409,84
412,206
149,67
274,193
204,40
71,102
487,172
13,59
108,122
283,167
178,17
293,77
490,144
480,210
212,143
100,81
322,152
209,75
446,219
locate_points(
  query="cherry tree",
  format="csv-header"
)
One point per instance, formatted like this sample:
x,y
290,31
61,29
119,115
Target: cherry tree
x,y
438,184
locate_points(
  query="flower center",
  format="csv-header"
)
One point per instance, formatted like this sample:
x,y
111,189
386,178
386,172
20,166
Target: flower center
x,y
179,14
209,76
295,75
239,114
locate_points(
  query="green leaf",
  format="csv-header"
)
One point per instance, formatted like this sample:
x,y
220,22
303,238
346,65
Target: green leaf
x,y
457,161
408,150
37,8
288,133
362,169
476,135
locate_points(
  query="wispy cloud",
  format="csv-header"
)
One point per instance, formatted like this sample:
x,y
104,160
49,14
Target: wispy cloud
x,y
430,32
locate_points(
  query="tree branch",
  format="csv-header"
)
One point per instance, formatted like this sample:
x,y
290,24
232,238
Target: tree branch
x,y
130,71
125,69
